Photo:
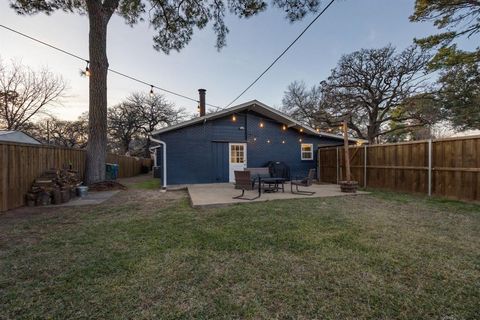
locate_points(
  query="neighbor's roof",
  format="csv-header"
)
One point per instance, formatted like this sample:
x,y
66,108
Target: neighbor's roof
x,y
257,107
17,136
2,132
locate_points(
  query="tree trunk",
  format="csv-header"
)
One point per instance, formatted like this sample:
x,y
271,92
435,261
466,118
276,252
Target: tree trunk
x,y
148,144
97,124
371,133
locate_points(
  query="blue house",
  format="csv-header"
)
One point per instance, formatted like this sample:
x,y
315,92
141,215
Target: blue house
x,y
211,147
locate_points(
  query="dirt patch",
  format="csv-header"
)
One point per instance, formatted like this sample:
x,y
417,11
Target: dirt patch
x,y
132,180
142,199
106,186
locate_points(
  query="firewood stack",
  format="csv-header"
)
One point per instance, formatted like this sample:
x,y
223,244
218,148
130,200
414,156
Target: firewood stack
x,y
53,187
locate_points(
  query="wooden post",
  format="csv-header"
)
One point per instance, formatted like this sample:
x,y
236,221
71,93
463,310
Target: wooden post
x,y
429,167
338,168
48,132
347,154
319,178
365,166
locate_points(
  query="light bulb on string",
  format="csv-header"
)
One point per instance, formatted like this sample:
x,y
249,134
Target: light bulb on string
x,y
284,127
234,117
151,91
261,125
268,141
87,70
283,141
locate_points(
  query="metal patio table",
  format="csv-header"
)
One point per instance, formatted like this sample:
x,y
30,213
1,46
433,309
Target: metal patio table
x,y
274,184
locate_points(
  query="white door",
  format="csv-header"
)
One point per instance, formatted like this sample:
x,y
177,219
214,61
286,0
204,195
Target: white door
x,y
237,157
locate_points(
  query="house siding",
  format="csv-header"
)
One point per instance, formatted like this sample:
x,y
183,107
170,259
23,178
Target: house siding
x,y
199,153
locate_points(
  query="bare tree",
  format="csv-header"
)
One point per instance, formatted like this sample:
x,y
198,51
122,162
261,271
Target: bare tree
x,y
64,133
24,93
131,122
154,112
302,103
368,88
123,126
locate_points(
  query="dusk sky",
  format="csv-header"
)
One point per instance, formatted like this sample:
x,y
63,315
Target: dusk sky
x,y
252,44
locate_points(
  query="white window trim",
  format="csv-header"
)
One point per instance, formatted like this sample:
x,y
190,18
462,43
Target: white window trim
x,y
311,151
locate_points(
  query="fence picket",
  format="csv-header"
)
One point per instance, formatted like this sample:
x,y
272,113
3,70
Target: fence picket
x,y
454,163
21,164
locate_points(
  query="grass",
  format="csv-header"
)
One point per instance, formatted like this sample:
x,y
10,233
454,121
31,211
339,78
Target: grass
x,y
382,256
150,184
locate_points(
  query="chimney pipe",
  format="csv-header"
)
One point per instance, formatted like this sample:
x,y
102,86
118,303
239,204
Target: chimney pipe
x,y
201,93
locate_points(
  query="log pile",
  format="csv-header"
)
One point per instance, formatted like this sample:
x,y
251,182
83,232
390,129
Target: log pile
x,y
53,187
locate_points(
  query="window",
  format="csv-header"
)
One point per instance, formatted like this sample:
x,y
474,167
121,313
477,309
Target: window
x,y
237,153
306,151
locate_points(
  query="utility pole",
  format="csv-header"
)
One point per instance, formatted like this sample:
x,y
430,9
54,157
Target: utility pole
x,y
347,154
48,132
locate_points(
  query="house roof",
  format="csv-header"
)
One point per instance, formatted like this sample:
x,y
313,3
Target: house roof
x,y
258,107
17,136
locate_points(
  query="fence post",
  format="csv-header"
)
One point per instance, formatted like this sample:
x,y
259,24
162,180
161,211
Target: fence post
x,y
365,166
338,168
429,167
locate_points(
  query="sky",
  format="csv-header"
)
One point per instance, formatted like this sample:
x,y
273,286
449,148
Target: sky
x,y
252,44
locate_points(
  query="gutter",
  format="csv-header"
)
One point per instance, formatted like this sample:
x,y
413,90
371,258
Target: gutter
x,y
164,145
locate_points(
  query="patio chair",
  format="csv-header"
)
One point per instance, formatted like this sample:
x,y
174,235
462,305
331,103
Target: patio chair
x,y
305,182
243,181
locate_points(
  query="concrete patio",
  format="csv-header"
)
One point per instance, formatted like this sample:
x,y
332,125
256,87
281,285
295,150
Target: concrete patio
x,y
221,194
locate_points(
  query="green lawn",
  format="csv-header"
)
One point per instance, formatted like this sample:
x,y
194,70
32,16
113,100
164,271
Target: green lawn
x,y
149,255
149,184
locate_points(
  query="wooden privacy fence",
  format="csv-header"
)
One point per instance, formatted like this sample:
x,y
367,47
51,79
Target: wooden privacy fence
x,y
21,164
443,167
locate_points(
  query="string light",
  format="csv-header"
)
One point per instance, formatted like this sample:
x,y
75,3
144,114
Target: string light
x,y
254,138
234,118
261,125
151,91
283,141
268,140
300,140
88,73
301,129
318,130
284,127
87,70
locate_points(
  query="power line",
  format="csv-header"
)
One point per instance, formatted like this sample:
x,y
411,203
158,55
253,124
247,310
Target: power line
x,y
148,84
109,69
284,51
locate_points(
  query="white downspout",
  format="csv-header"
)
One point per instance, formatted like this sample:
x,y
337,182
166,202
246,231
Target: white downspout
x,y
164,145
